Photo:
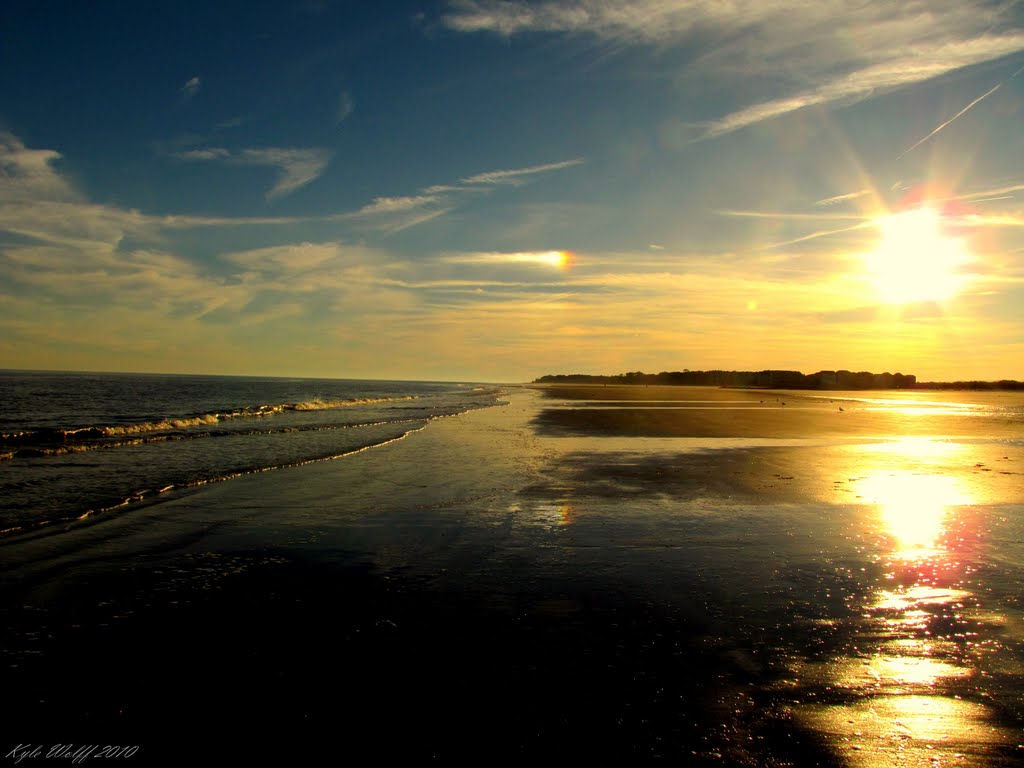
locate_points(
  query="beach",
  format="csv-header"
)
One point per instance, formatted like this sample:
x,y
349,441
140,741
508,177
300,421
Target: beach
x,y
611,574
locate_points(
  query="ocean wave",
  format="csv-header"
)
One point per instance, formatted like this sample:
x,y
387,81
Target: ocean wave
x,y
259,411
52,441
42,450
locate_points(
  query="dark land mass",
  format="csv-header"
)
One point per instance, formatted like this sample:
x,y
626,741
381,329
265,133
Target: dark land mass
x,y
770,379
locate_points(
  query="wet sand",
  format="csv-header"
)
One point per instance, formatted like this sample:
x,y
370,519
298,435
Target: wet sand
x,y
722,413
552,579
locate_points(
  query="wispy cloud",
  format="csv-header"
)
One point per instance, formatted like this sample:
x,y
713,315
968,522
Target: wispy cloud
x,y
438,188
960,113
1003,190
396,213
40,205
75,225
828,201
231,122
281,259
518,175
992,199
190,89
840,51
387,205
789,215
75,255
210,153
346,106
821,233
963,111
556,259
28,174
863,222
914,66
296,167
636,20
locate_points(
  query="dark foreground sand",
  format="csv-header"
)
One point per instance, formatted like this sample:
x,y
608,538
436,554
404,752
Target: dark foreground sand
x,y
556,579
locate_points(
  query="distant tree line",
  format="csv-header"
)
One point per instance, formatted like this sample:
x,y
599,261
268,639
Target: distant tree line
x,y
776,380
1001,384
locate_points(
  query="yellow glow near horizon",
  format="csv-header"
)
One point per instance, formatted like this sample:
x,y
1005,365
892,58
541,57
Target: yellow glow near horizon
x,y
916,260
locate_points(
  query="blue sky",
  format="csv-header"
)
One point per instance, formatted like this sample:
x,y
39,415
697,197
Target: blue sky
x,y
490,190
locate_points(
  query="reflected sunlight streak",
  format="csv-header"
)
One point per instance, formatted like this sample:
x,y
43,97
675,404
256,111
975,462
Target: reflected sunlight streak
x,y
904,730
902,686
920,447
913,507
902,671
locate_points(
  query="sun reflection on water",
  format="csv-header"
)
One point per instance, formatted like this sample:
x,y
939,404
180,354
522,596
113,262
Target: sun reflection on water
x,y
903,687
914,508
548,514
909,730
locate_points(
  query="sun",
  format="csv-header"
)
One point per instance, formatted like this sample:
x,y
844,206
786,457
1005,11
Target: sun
x,y
917,258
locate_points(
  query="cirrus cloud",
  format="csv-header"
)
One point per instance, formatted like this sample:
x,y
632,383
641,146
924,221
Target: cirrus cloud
x,y
296,167
809,53
191,88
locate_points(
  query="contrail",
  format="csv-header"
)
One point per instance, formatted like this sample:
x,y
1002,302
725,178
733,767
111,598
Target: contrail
x,y
821,233
962,111
842,198
954,117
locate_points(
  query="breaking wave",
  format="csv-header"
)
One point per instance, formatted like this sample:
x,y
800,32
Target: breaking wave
x,y
73,445
58,441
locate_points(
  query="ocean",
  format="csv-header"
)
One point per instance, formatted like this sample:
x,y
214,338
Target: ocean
x,y
77,445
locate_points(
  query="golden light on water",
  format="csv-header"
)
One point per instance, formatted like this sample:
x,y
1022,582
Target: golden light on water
x,y
909,731
566,514
913,507
548,514
901,690
916,448
910,600
915,491
916,259
899,671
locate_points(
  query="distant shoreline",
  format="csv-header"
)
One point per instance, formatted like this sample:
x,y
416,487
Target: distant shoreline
x,y
841,380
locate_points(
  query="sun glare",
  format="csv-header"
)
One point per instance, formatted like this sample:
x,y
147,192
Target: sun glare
x,y
917,259
914,507
553,258
558,259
